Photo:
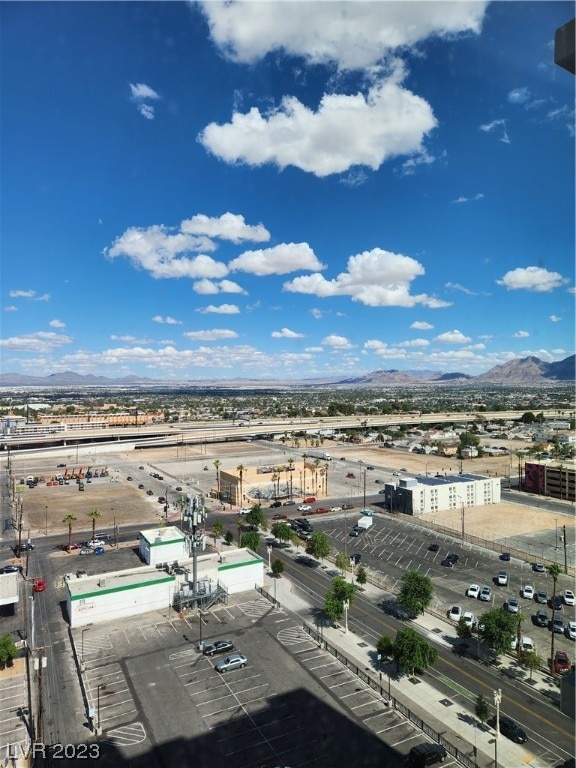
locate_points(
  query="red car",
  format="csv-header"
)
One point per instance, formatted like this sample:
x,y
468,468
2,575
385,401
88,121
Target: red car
x,y
39,585
309,499
561,662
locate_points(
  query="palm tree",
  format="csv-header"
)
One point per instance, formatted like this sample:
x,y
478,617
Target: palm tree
x,y
304,456
94,514
217,465
316,465
326,479
69,519
554,572
240,469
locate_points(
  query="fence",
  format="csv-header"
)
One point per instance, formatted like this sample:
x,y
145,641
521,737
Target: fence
x,y
376,685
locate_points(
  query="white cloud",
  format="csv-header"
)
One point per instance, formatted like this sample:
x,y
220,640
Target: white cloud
x,y
223,309
336,342
279,260
376,278
452,337
519,96
414,343
22,294
159,252
555,319
143,92
345,131
146,110
286,333
229,226
317,314
168,320
216,334
36,342
206,286
475,198
57,324
10,308
354,35
521,335
420,325
500,127
535,279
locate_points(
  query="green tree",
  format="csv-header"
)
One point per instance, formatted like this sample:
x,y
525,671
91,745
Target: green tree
x,y
463,629
342,562
94,514
497,628
256,517
250,540
412,651
482,709
8,650
385,647
334,600
318,545
282,532
68,520
361,576
531,660
277,567
217,530
228,537
416,592
554,573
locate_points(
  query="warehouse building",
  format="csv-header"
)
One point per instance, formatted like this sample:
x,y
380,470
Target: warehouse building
x,y
429,495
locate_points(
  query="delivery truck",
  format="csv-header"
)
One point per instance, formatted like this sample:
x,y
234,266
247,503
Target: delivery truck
x,y
364,523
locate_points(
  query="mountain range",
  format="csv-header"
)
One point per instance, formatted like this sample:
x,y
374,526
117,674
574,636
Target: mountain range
x,y
527,371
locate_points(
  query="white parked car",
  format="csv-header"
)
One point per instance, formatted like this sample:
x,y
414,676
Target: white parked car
x,y
528,592
304,508
455,613
244,510
473,590
571,630
335,509
468,618
568,597
528,644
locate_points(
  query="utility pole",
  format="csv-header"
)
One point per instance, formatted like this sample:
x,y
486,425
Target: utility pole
x,y
565,551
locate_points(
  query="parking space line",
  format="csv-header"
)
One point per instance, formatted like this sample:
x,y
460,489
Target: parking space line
x,y
330,664
332,674
365,704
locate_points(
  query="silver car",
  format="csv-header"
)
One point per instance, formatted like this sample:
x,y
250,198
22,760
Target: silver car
x,y
234,661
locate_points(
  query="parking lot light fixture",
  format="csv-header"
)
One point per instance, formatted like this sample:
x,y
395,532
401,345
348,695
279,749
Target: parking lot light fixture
x,y
346,605
497,702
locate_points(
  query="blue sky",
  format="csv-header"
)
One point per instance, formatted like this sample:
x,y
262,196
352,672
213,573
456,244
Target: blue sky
x,y
284,190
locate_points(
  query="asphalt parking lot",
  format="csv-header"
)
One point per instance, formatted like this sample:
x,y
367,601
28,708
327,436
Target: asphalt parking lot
x,y
159,701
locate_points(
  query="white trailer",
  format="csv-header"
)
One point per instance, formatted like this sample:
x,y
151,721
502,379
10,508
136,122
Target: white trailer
x,y
364,523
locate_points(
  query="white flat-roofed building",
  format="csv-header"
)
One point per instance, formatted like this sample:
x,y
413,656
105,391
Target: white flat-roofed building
x,y
429,495
111,596
163,545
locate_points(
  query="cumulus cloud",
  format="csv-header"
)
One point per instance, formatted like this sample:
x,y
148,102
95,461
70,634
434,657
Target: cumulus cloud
x,y
535,279
499,126
223,309
376,278
22,294
452,337
317,314
420,325
349,35
161,253
167,320
283,258
345,131
414,343
57,324
229,226
286,333
555,319
521,334
206,286
36,342
215,334
336,342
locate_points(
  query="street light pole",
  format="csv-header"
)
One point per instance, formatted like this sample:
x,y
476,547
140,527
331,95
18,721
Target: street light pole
x,y
346,605
46,509
269,550
497,702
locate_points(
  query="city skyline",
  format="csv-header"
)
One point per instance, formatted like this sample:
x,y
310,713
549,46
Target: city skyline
x,y
284,190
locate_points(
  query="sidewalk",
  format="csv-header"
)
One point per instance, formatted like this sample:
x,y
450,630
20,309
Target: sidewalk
x,y
451,716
